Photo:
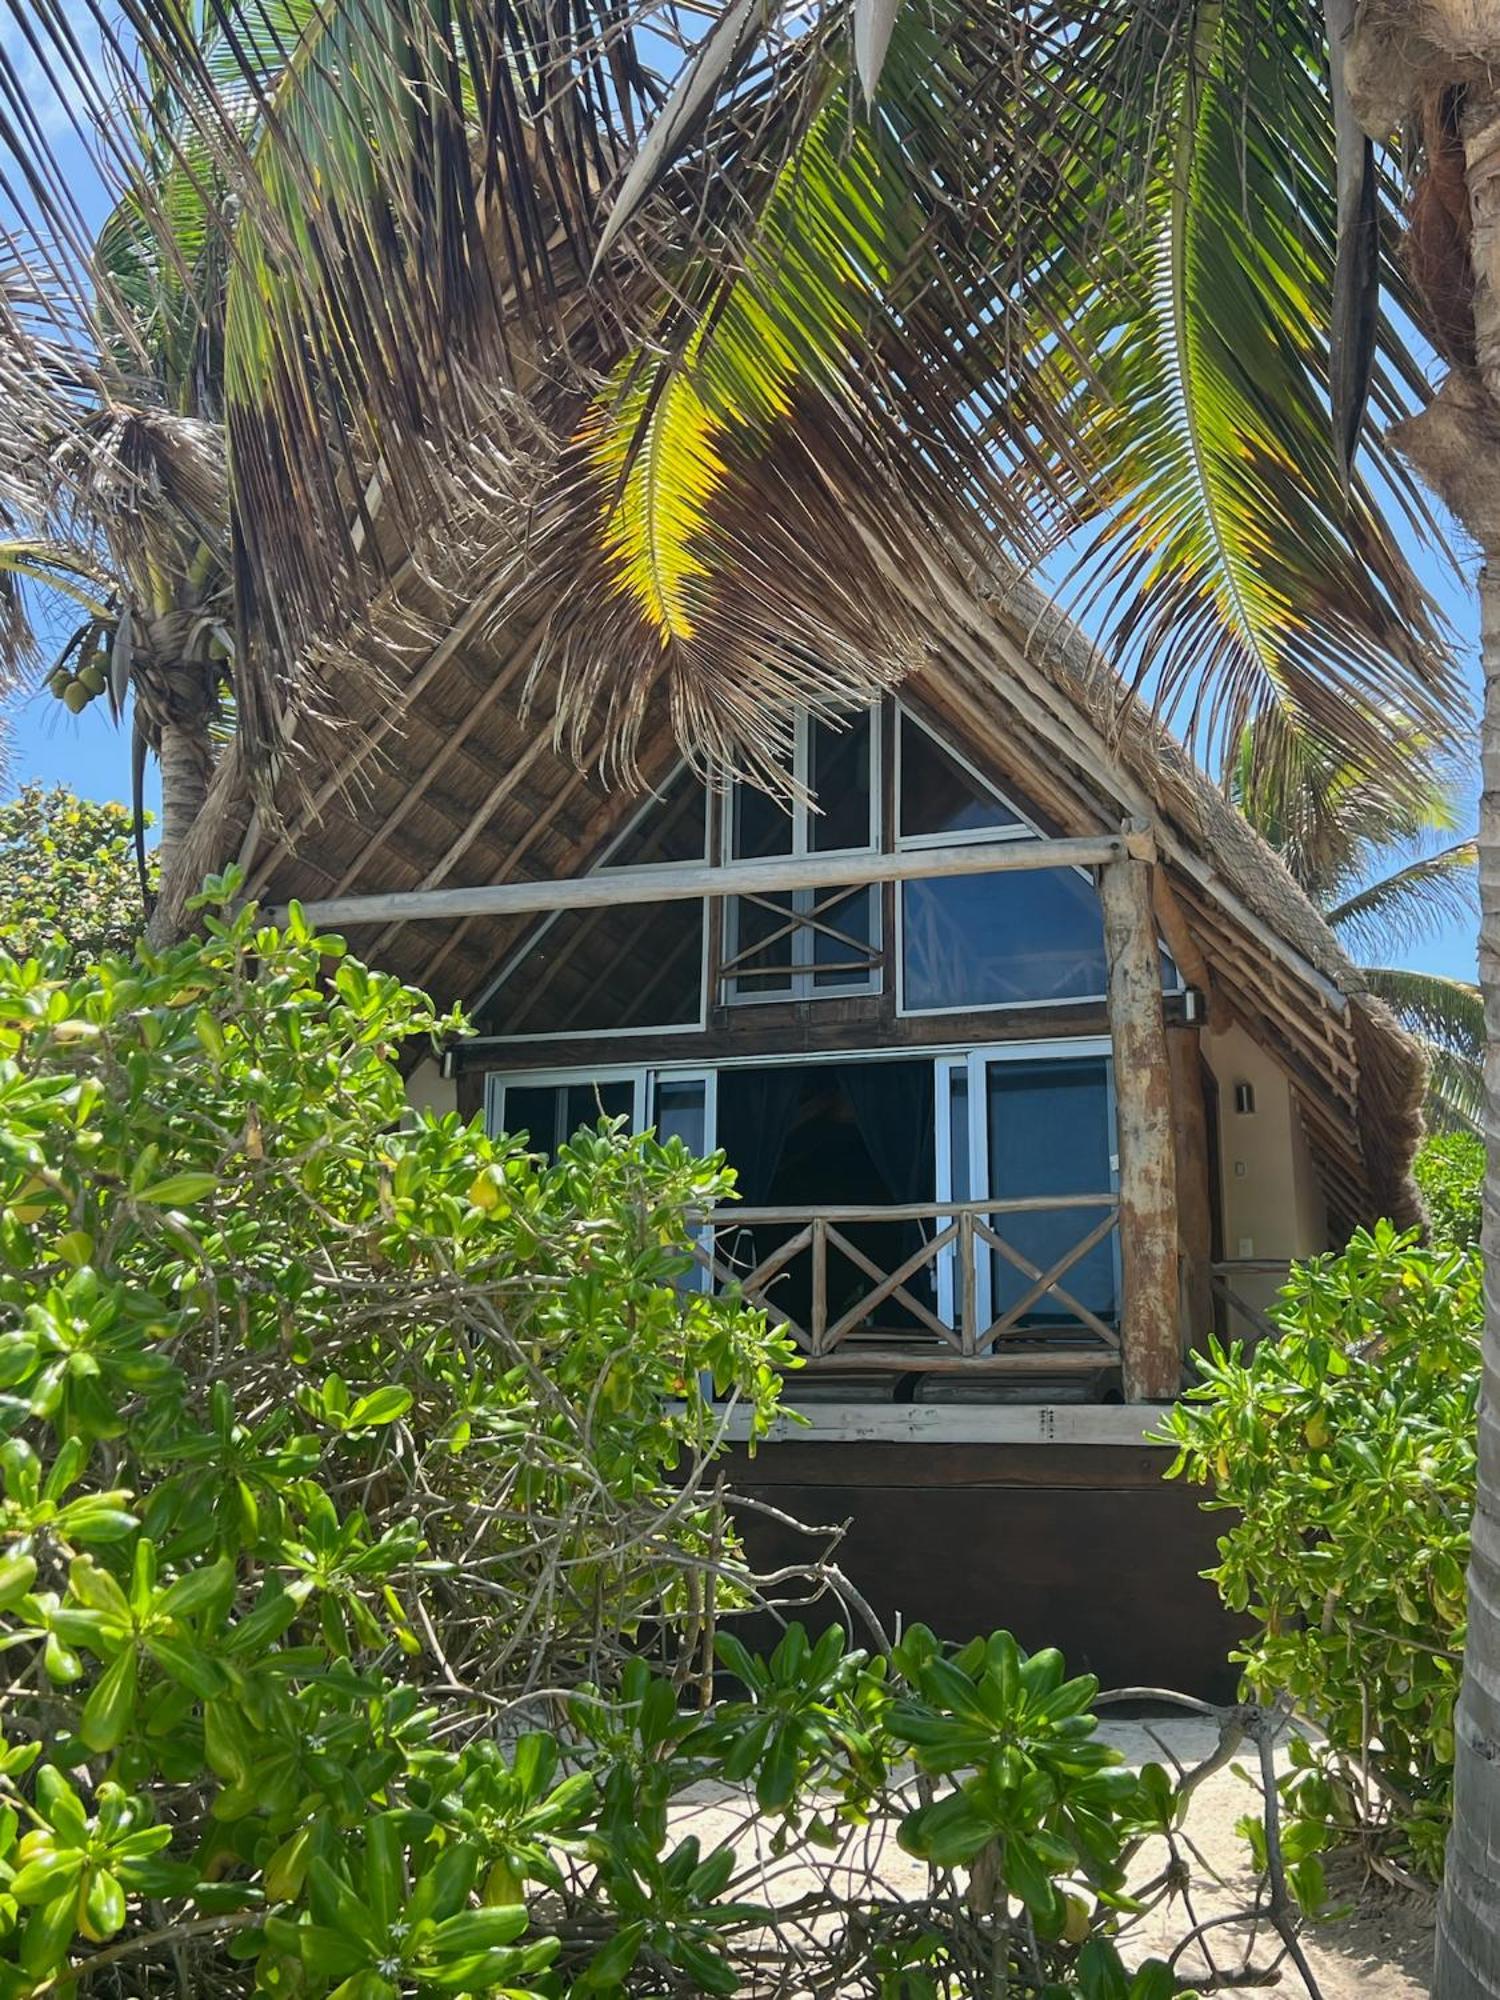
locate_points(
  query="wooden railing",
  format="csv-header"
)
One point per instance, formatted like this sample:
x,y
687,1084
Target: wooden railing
x,y
856,1335
1234,1314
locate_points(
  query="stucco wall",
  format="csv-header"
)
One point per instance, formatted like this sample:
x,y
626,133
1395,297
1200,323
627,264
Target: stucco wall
x,y
427,1089
1273,1205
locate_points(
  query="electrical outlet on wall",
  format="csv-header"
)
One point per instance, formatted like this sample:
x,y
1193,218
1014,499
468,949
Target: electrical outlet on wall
x,y
1247,1246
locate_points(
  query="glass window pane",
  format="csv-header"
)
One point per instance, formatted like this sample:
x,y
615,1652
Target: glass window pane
x,y
532,1109
673,828
1049,1134
839,777
958,1133
682,1112
998,940
760,825
854,917
938,795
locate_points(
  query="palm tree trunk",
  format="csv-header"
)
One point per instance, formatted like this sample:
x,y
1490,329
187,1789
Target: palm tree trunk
x,y
185,753
1468,1942
1404,53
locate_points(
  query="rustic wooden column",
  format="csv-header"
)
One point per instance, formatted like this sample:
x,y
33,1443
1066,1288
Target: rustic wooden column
x,y
1195,1227
1149,1315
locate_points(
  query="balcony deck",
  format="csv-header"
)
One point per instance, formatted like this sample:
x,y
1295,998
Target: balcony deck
x,y
894,1322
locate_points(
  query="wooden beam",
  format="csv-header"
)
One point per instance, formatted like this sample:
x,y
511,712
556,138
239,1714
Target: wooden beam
x,y
1194,1200
958,1423
670,882
1149,1320
1177,934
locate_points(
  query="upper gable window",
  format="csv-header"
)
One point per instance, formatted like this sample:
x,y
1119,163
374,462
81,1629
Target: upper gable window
x,y
939,798
1031,938
800,944
624,968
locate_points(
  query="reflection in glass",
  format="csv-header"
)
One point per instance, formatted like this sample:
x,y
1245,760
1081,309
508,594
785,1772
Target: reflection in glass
x,y
1048,1133
1001,940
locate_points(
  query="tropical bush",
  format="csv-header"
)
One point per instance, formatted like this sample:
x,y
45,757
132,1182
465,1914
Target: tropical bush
x,y
363,1571
69,876
1345,1453
1449,1170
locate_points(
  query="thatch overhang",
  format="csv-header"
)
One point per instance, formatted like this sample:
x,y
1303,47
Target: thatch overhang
x,y
448,772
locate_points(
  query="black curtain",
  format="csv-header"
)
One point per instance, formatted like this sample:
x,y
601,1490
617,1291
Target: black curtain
x,y
893,1109
756,1109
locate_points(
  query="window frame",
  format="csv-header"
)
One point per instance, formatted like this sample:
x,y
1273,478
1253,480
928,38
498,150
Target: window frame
x,y
1026,828
516,958
975,836
645,1080
801,984
973,1063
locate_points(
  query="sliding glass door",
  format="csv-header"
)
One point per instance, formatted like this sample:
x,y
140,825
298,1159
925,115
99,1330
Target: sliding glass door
x,y
1020,1124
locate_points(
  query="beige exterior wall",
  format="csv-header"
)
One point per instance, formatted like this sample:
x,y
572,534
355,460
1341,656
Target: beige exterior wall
x,y
1273,1205
427,1089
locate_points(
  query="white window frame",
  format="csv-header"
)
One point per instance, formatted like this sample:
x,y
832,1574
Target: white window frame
x,y
753,992
497,1082
1027,829
523,951
645,1080
974,1063
974,836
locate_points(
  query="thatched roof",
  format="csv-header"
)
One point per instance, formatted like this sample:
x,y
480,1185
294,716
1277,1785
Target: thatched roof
x,y
450,775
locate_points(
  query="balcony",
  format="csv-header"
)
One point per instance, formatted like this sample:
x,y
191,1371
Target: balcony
x,y
967,1300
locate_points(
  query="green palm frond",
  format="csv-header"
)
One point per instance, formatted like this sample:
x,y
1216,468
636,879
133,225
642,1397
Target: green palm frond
x,y
1455,1093
1411,902
57,567
1449,1012
1339,826
1123,332
1238,572
1447,1016
840,216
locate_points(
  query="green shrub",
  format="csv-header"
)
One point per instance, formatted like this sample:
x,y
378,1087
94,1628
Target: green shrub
x,y
1346,1452
1449,1170
358,1566
69,876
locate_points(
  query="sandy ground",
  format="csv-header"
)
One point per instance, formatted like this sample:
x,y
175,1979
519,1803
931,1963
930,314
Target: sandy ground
x,y
1382,1951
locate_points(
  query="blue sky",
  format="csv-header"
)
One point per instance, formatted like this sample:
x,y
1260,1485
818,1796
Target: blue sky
x,y
92,756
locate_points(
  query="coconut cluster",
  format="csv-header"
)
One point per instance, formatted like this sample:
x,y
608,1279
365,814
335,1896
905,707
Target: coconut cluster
x,y
76,691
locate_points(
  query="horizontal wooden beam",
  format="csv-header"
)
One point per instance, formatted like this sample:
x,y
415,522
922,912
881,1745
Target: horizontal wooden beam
x,y
676,883
957,1423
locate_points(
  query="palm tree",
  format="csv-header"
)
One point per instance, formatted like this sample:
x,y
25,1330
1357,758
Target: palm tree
x,y
963,284
1386,872
292,357
119,510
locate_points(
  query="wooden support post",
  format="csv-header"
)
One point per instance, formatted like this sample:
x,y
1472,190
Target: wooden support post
x,y
1195,1228
1149,1326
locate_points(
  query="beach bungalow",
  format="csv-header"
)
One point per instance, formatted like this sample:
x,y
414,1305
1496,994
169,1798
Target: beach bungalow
x,y
1034,1064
